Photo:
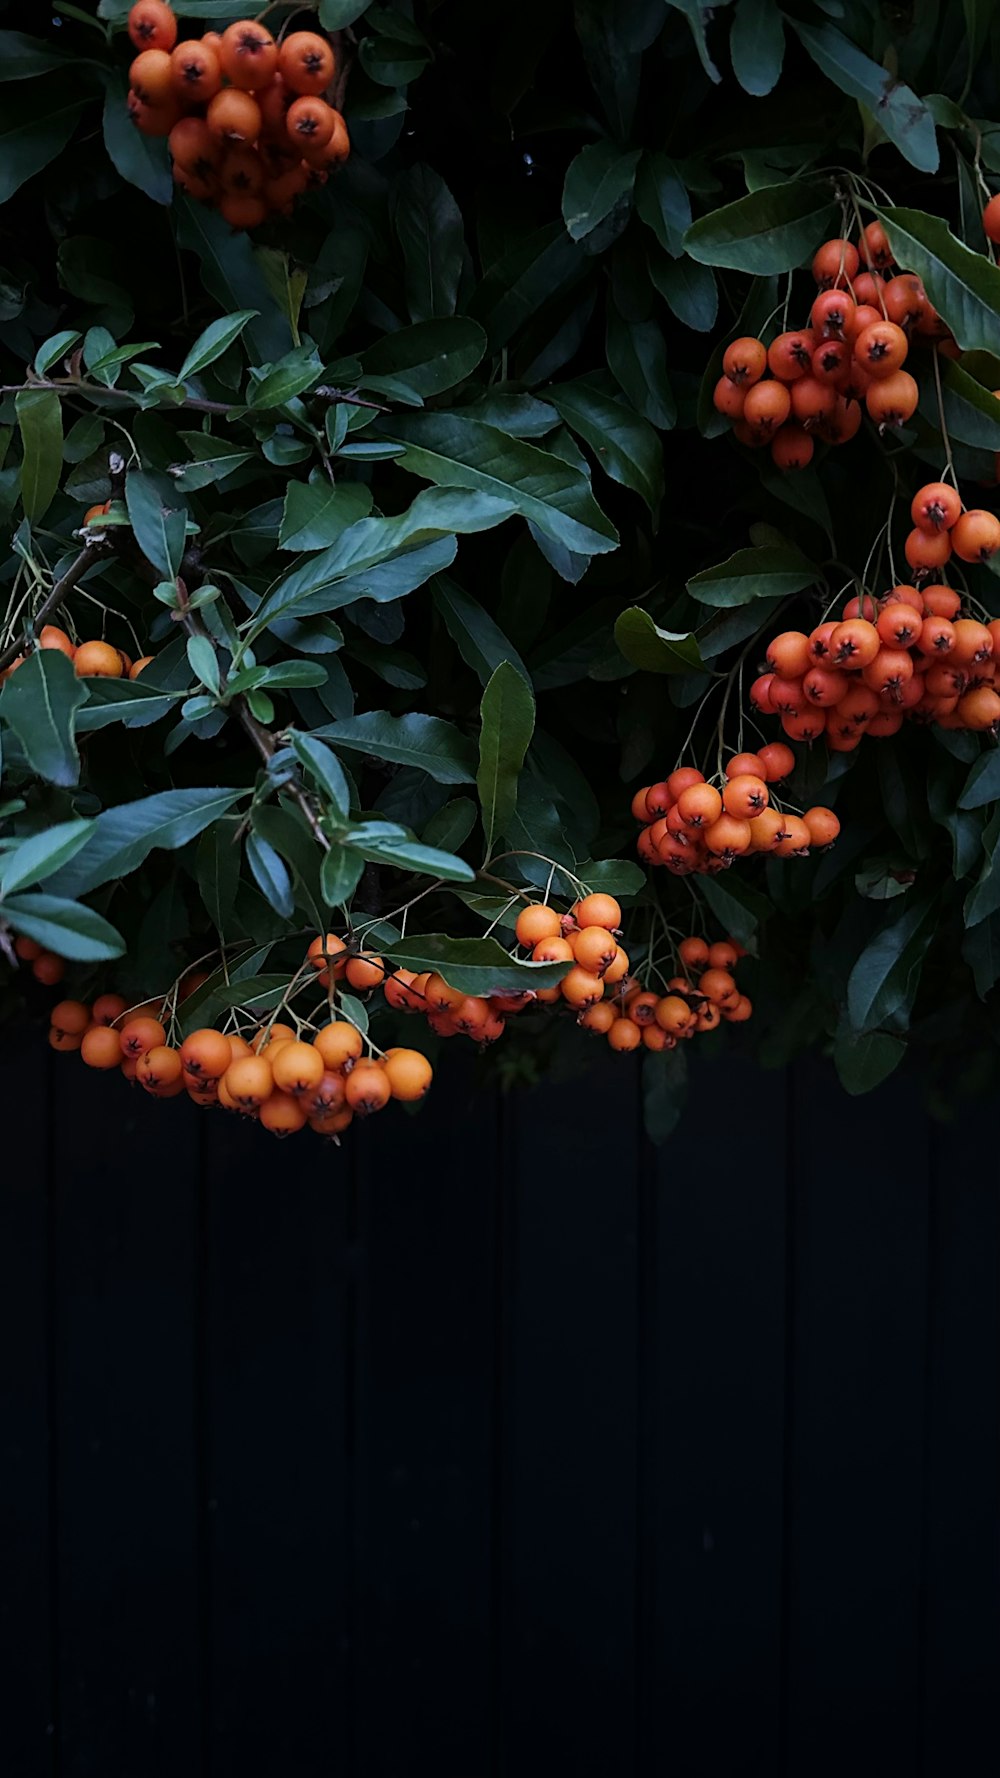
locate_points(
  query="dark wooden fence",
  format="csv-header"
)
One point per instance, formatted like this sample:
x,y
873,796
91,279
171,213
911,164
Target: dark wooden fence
x,y
499,1443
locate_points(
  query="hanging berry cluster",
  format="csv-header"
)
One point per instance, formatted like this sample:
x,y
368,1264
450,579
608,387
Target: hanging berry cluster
x,y
246,120
810,381
913,653
692,825
698,998
94,659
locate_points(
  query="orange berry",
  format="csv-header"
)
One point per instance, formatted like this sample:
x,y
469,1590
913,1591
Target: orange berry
x,y
233,116
625,1035
718,986
835,263
823,826
672,1014
306,62
48,969
409,1074
206,1054
925,551
51,636
598,910
581,987
107,1008
367,1088
594,948
976,535
778,761
158,1069
535,922
365,971
100,1047
195,72
151,77
338,1043
552,950
140,1034
297,1067
699,805
693,952
248,55
98,660
935,507
152,25
599,1017
728,837
70,1017
745,795
280,1113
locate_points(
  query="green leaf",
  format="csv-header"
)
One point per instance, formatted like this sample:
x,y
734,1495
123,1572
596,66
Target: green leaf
x,y
23,57
736,904
125,835
141,160
662,201
325,770
286,282
688,289
428,225
122,700
637,358
232,275
297,371
218,870
384,842
270,875
757,46
213,341
431,356
981,950
773,230
66,927
39,417
452,451
963,286
204,663
611,876
539,268
428,742
315,514
983,783
904,118
41,855
472,965
451,825
884,979
664,1091
37,123
769,572
480,641
340,874
52,350
39,702
158,521
865,1062
381,558
600,177
645,645
507,714
983,900
625,445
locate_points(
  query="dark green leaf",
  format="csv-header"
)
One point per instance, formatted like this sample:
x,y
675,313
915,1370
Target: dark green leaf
x,y
645,645
981,950
599,178
340,874
67,927
428,742
297,371
431,356
158,520
428,226
37,123
33,859
213,341
232,275
141,160
316,513
625,445
451,825
124,836
662,201
218,868
544,265
325,770
773,230
51,350
736,904
984,900
204,662
270,875
508,720
757,46
122,700
39,702
971,413
865,1062
23,57
983,783
39,417
883,982
460,453
384,842
963,286
664,1091
480,641
688,289
472,965
768,572
637,358
904,118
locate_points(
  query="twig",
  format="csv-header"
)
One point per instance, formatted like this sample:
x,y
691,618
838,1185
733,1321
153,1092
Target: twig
x,y
91,551
74,386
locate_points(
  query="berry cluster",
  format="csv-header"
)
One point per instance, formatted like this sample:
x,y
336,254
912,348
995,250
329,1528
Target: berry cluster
x,y
696,1000
276,1077
47,967
692,825
92,660
910,653
245,118
810,382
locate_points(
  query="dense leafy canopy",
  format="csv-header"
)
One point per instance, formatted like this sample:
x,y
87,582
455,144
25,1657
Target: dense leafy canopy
x,y
418,496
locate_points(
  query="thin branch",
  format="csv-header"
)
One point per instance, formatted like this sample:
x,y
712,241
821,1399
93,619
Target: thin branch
x,y
91,551
74,386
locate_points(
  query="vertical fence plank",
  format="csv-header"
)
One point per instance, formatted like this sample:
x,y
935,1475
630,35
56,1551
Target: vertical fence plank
x,y
568,1679
860,1180
278,1317
26,1628
126,1172
962,1574
427,1189
716,1434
